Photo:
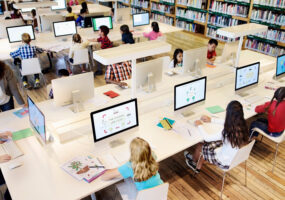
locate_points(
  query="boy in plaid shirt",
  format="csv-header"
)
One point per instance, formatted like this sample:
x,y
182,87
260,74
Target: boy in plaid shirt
x,y
105,43
27,51
117,73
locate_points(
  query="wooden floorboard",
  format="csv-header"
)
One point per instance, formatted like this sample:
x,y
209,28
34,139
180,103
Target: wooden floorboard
x,y
261,183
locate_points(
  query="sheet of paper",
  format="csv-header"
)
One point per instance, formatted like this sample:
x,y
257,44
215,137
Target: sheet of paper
x,y
22,112
22,134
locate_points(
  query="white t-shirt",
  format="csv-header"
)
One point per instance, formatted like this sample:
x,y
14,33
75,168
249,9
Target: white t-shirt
x,y
171,64
3,97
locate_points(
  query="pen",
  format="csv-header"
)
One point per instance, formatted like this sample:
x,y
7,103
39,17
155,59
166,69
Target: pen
x,y
188,131
96,166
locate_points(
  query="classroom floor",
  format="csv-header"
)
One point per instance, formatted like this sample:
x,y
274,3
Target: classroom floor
x,y
261,182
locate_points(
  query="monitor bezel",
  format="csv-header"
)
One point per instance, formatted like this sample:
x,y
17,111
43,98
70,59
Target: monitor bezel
x,y
176,86
59,8
38,134
17,27
98,18
245,67
110,107
277,66
67,34
140,14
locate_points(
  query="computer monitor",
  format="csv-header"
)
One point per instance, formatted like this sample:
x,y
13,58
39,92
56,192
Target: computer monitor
x,y
25,10
100,21
229,52
189,93
37,120
115,119
140,19
194,60
61,4
64,28
246,76
15,32
150,72
65,89
280,67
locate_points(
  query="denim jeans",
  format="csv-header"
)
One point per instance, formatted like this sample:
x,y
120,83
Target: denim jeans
x,y
262,124
7,106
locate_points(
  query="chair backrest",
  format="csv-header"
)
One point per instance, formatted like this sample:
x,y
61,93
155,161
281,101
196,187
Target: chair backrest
x,y
47,21
155,193
8,23
274,139
80,57
242,155
70,18
31,66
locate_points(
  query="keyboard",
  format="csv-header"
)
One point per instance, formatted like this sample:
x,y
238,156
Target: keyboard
x,y
10,148
253,99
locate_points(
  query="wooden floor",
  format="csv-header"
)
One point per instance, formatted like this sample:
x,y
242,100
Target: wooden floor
x,y
261,183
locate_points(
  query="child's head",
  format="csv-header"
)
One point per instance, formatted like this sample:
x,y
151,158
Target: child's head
x,y
33,12
279,96
143,163
155,27
178,56
26,38
84,5
212,44
69,9
63,73
76,38
82,12
235,127
103,31
125,29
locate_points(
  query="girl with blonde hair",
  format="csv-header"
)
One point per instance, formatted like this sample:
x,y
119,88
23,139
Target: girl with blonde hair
x,y
142,167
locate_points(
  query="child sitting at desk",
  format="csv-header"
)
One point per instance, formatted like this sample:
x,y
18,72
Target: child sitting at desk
x,y
177,59
211,55
76,45
127,36
117,73
155,33
228,141
141,168
80,19
35,22
70,13
27,51
274,125
105,44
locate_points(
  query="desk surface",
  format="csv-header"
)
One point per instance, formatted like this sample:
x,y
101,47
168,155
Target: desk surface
x,y
40,177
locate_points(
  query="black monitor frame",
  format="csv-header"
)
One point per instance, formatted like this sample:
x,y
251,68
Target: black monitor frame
x,y
278,75
100,17
17,27
239,68
140,14
62,22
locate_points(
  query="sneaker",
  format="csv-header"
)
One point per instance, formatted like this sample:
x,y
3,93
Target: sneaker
x,y
26,85
98,72
188,155
192,165
37,84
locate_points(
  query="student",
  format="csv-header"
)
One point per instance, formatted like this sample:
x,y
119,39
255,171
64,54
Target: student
x,y
230,140
142,167
154,34
76,45
127,36
73,3
116,73
105,43
80,19
84,7
70,13
35,22
8,89
26,51
274,125
177,59
61,73
211,55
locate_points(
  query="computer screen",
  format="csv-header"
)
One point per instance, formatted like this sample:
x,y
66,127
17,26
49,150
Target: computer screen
x,y
115,119
189,93
61,4
15,32
100,21
24,10
64,28
280,67
37,119
247,75
140,19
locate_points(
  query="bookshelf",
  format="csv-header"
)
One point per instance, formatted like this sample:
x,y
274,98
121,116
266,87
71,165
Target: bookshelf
x,y
205,17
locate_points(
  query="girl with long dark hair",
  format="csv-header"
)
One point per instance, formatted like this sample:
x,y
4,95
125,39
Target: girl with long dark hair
x,y
155,33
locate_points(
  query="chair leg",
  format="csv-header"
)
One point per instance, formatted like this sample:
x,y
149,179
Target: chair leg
x,y
261,138
245,169
224,177
93,196
277,145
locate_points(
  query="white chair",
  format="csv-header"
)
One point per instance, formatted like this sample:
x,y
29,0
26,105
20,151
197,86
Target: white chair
x,y
241,156
277,140
31,66
128,191
80,57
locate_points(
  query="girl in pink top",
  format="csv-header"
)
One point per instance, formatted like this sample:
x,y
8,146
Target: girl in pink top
x,y
73,2
154,34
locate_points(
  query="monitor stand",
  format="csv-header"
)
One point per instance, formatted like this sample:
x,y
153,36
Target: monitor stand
x,y
197,69
187,113
150,83
76,100
242,94
116,143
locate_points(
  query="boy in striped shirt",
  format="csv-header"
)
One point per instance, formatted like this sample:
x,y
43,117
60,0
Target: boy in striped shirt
x,y
119,72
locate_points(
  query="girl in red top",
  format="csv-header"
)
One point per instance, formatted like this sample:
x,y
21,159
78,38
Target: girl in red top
x,y
274,125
